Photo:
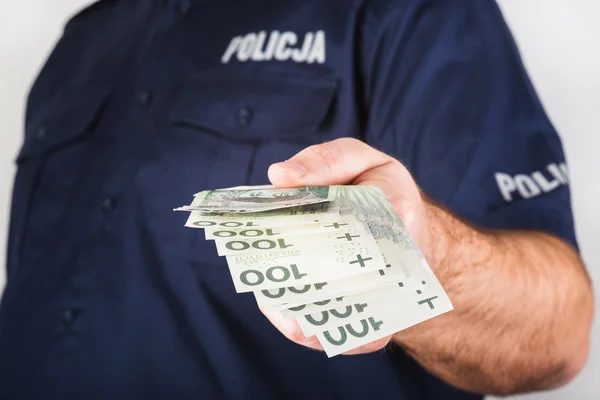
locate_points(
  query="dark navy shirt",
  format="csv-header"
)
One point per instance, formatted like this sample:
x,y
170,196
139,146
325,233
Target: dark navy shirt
x,y
143,103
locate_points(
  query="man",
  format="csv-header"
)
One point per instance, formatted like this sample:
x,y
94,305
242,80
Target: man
x,y
142,104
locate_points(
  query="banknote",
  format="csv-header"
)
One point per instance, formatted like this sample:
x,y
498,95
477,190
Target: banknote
x,y
387,290
315,318
275,268
284,299
259,199
356,237
378,323
213,233
317,213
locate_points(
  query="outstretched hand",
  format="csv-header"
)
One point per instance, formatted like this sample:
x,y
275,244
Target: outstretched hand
x,y
349,161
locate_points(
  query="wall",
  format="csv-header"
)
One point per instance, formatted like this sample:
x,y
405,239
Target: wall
x,y
560,43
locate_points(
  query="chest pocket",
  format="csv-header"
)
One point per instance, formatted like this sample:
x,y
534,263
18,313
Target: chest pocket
x,y
255,107
240,125
47,166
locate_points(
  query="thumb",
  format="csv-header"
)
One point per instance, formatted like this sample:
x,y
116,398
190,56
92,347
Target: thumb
x,y
337,162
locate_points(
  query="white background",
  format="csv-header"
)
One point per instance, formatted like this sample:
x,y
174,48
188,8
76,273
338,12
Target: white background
x,y
560,43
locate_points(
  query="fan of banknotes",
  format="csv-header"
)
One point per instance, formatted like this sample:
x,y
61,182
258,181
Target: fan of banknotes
x,y
338,259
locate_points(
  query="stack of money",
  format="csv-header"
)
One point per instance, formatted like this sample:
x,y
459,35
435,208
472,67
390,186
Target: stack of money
x,y
338,259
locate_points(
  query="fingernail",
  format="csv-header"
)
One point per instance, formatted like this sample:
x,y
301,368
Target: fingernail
x,y
293,168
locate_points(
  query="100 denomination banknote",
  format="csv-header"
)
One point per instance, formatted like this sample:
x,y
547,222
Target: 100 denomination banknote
x,y
275,297
274,269
390,291
257,245
315,318
313,214
378,323
220,232
252,200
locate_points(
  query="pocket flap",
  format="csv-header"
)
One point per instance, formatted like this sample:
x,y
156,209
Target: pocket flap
x,y
66,118
255,108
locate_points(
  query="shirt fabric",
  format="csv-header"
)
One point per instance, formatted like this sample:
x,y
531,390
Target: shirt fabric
x,y
144,103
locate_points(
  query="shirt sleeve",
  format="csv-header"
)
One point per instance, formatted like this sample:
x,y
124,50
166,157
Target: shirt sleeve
x,y
447,94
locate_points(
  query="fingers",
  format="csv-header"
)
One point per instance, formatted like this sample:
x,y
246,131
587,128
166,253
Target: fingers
x,y
332,163
291,330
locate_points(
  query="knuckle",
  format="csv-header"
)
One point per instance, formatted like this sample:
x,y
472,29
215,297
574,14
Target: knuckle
x,y
400,202
349,141
353,144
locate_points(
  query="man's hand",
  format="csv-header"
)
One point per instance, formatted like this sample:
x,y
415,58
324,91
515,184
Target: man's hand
x,y
343,162
522,300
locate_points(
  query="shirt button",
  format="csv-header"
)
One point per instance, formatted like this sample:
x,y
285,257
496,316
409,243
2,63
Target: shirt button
x,y
40,134
145,98
69,317
245,116
109,204
184,6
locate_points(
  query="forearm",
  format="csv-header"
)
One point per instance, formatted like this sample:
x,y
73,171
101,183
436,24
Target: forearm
x,y
523,307
522,300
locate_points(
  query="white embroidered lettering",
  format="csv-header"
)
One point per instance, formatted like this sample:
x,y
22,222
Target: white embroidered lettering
x,y
264,46
534,184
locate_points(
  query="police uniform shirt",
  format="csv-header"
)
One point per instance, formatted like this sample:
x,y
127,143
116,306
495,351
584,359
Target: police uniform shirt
x,y
143,103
